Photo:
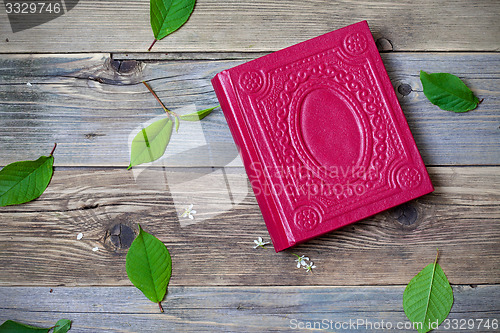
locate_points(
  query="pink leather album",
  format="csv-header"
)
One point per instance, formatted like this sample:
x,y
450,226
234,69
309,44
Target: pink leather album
x,y
321,134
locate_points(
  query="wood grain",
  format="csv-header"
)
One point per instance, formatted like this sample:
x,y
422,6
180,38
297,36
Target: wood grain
x,y
38,245
232,309
92,103
261,25
92,106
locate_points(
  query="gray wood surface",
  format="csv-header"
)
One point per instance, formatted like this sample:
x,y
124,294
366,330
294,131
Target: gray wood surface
x,y
84,71
231,309
93,110
39,245
262,25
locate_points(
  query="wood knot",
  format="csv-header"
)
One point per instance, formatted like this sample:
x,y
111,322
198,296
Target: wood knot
x,y
92,136
406,214
121,236
384,45
125,66
88,206
404,89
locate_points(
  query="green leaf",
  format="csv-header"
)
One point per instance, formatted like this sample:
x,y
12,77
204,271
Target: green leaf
x,y
11,326
166,16
199,115
150,143
24,181
149,266
428,298
448,92
62,326
176,124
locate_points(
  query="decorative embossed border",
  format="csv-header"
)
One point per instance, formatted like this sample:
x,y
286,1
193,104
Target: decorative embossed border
x,y
275,95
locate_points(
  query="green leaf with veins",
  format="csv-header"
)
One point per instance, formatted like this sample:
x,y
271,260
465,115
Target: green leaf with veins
x,y
448,92
167,16
150,143
149,266
11,326
62,326
198,115
428,298
24,181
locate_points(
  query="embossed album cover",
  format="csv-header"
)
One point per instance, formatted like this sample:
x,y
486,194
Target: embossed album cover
x,y
321,134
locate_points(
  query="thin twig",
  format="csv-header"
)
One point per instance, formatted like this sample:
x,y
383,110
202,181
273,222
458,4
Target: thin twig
x,y
53,149
159,101
152,44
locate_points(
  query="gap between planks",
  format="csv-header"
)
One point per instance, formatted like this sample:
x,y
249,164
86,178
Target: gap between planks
x,y
235,309
222,56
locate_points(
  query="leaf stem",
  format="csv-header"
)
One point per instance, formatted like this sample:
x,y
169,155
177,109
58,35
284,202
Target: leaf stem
x,y
437,255
159,101
161,307
154,42
53,149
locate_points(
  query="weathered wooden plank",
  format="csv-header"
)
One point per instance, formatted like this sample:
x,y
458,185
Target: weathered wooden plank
x,y
238,309
92,109
38,243
262,25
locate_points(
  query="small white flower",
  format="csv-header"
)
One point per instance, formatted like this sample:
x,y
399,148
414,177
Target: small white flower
x,y
79,236
95,249
189,212
309,267
29,84
301,261
260,242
